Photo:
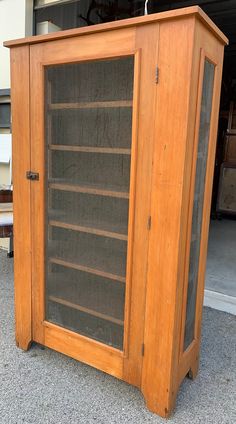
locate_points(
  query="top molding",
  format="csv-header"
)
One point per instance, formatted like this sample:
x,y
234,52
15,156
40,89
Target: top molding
x,y
124,23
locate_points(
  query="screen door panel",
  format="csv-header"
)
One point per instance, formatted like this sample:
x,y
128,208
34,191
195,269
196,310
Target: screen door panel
x,y
197,214
88,131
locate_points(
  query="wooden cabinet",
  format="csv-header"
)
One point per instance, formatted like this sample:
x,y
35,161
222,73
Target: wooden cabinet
x,y
117,125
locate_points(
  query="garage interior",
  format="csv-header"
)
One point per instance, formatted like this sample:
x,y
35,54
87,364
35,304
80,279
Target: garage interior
x,y
220,285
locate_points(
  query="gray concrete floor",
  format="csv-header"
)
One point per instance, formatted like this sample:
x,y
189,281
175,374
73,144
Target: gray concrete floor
x,y
43,386
221,261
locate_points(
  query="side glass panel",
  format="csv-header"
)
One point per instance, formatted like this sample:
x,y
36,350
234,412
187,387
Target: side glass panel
x,y
206,106
88,128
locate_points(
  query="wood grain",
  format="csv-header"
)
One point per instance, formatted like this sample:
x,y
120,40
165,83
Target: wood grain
x,y
88,229
85,268
98,355
90,189
21,198
91,105
165,133
71,50
155,17
88,149
161,329
147,41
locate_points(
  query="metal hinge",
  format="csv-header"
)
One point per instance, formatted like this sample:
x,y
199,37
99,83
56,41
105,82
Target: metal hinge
x,y
149,222
143,349
34,176
157,75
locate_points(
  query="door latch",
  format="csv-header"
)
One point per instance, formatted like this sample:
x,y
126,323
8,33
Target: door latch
x,y
33,176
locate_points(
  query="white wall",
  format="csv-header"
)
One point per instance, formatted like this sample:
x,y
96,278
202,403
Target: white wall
x,y
16,21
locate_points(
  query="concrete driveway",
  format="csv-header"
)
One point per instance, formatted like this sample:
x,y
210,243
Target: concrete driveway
x,y
43,386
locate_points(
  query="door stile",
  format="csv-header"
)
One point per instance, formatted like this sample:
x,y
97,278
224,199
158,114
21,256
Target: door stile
x,y
132,190
145,133
20,98
37,191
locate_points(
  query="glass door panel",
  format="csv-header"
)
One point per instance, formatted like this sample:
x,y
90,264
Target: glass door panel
x,y
197,214
88,121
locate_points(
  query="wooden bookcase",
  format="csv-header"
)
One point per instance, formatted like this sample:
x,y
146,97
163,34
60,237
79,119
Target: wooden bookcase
x,y
117,125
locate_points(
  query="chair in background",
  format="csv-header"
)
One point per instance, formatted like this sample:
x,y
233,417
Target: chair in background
x,y
6,216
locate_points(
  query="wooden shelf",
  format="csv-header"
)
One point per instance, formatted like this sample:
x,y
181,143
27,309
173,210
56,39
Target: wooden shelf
x,y
99,229
98,261
88,149
98,301
86,310
96,189
91,105
84,268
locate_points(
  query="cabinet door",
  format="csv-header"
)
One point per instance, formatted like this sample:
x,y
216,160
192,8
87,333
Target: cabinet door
x,y
84,106
88,131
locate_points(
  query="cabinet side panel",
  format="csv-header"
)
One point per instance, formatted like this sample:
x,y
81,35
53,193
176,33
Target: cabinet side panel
x,y
21,193
162,321
207,48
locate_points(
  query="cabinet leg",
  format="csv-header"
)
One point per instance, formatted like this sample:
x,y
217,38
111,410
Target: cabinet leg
x,y
23,344
163,406
192,374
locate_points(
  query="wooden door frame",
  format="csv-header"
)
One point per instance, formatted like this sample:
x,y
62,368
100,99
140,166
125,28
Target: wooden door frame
x,y
20,98
91,47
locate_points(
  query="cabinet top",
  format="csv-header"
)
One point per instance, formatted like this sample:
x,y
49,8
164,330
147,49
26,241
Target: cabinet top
x,y
124,23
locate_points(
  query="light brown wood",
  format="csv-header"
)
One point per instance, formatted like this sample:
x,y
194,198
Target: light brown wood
x,y
144,131
164,16
77,294
91,105
86,149
20,110
106,358
88,189
174,59
87,269
90,230
72,305
165,135
205,47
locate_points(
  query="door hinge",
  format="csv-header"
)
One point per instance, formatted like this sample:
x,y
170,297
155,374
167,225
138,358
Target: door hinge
x,y
157,75
143,349
34,176
149,222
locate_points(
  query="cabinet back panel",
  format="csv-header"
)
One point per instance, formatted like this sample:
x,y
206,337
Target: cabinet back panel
x,y
99,127
91,168
92,81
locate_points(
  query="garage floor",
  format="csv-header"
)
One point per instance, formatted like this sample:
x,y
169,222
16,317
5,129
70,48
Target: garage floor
x,y
41,386
221,261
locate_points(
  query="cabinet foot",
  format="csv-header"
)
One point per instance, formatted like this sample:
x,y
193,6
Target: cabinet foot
x,y
164,407
193,371
23,344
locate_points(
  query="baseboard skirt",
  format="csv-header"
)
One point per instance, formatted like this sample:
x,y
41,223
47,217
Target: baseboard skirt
x,y
220,301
